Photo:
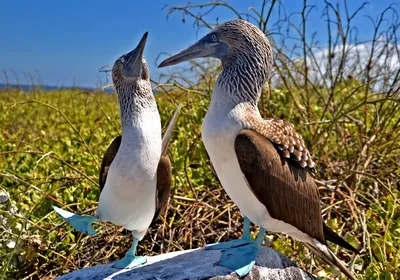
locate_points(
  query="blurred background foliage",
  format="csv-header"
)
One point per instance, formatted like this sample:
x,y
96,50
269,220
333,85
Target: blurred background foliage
x,y
342,97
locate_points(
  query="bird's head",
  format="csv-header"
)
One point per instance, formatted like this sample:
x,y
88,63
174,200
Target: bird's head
x,y
228,42
131,68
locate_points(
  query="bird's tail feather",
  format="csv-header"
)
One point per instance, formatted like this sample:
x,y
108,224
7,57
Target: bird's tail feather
x,y
168,132
332,236
326,254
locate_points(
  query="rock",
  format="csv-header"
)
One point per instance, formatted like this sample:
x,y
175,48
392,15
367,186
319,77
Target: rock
x,y
4,196
195,264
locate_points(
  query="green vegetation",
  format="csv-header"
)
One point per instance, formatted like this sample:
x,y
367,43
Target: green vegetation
x,y
52,143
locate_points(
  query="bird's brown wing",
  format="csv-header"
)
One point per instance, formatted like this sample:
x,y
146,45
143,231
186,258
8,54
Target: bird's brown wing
x,y
164,181
107,160
288,142
286,189
164,170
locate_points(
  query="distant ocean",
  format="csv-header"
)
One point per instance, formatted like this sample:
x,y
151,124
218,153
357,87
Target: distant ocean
x,y
28,88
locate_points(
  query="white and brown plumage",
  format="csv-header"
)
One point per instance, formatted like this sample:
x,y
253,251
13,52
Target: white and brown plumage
x,y
136,174
263,164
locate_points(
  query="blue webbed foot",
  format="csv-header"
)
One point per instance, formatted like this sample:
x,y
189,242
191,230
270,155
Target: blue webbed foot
x,y
245,240
129,262
227,245
78,222
240,259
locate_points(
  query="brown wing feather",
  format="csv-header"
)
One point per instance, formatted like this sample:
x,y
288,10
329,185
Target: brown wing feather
x,y
164,181
287,190
107,160
164,170
290,144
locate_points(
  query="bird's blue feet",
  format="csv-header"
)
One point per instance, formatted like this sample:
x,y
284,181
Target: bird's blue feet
x,y
129,262
241,259
245,240
78,222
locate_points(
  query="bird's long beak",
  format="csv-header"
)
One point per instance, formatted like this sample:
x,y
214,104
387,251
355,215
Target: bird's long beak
x,y
203,48
133,65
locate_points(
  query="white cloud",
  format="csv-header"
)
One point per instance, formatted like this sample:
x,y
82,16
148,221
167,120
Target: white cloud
x,y
384,66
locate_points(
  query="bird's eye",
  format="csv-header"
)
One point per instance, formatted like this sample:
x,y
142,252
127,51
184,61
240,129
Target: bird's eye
x,y
214,37
122,59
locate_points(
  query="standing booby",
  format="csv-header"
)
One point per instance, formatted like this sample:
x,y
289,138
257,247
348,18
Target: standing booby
x,y
135,176
263,164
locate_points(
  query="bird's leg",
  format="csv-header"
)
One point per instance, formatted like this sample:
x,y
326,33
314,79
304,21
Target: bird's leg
x,y
130,260
246,229
260,237
78,222
245,240
242,259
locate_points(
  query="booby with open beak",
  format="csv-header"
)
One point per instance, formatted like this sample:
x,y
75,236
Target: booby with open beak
x,y
136,174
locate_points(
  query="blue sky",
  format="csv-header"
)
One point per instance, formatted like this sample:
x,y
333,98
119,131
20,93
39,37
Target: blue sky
x,y
66,42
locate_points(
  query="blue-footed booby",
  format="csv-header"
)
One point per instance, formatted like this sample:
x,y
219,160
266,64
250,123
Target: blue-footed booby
x,y
135,176
263,164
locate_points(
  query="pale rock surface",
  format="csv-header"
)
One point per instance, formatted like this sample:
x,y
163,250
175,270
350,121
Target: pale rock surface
x,y
4,196
196,264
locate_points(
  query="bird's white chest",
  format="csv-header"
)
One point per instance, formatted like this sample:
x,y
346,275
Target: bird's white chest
x,y
129,195
219,132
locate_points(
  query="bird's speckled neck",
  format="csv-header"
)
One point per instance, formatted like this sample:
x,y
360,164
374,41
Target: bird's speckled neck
x,y
135,97
244,76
